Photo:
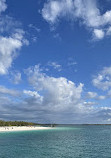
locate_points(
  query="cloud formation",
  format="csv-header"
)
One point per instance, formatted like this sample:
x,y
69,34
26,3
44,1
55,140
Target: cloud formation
x,y
7,91
45,98
103,79
86,11
99,33
15,77
11,39
3,5
50,99
8,49
56,90
55,65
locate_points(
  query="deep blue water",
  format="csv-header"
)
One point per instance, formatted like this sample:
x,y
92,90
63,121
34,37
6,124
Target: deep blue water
x,y
65,142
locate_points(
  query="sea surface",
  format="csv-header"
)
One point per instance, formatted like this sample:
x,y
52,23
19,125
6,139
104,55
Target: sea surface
x,y
79,141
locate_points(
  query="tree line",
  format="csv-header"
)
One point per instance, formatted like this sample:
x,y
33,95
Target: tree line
x,y
16,123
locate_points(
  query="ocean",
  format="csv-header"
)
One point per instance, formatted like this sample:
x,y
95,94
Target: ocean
x,y
79,141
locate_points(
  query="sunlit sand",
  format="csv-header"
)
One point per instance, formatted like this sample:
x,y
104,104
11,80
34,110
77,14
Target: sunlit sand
x,y
22,128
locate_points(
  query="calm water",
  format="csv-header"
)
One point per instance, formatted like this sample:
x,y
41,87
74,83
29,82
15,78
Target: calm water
x,y
68,142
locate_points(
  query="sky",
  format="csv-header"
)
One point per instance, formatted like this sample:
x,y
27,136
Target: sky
x,y
55,61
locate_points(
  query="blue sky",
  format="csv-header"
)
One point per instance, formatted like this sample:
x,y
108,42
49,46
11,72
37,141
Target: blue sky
x,y
55,61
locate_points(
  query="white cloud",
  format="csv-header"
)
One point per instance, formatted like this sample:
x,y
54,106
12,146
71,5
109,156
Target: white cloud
x,y
103,79
8,49
91,95
4,90
108,32
31,93
59,93
71,62
51,99
101,97
84,10
8,25
11,40
34,27
98,33
55,65
94,95
54,9
89,103
15,77
3,5
34,94
34,38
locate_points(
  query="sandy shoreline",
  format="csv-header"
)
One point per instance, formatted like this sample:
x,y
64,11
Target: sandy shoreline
x,y
22,128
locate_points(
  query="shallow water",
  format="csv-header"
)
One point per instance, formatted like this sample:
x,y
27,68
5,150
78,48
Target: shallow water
x,y
63,142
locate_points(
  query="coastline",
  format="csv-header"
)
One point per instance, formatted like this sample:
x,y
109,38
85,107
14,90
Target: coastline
x,y
22,128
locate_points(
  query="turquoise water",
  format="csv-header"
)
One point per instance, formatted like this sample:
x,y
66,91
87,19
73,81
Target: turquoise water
x,y
68,142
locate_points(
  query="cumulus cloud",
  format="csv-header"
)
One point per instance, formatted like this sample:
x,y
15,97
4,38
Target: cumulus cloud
x,y
59,93
34,94
98,33
86,11
103,79
8,49
50,99
11,39
53,9
61,97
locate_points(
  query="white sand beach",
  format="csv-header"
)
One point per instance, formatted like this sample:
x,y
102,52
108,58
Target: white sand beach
x,y
22,128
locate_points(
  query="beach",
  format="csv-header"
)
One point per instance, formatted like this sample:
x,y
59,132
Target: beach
x,y
22,128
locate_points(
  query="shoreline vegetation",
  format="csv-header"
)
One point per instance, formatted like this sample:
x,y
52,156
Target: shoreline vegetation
x,y
21,126
23,123
16,123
